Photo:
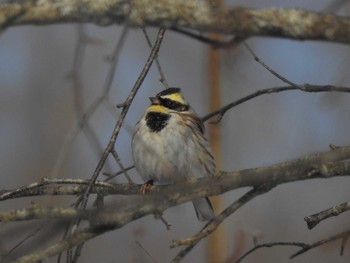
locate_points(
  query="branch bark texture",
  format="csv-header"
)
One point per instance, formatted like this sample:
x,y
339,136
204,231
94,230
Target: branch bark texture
x,y
322,165
183,14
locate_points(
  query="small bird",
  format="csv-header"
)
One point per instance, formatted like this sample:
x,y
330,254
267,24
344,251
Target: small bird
x,y
168,145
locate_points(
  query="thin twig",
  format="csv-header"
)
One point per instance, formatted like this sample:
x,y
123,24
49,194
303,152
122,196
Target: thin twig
x,y
343,236
304,247
166,223
78,60
84,117
117,159
126,105
215,43
293,86
125,110
257,59
268,245
60,246
212,225
147,252
161,73
113,59
343,243
111,176
305,88
31,235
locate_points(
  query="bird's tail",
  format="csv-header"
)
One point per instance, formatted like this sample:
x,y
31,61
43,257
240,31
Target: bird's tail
x,y
204,209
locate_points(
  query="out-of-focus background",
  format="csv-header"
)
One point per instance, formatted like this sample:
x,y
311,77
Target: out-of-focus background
x,y
37,113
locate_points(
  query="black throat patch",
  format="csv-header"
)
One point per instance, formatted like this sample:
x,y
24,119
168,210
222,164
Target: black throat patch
x,y
157,121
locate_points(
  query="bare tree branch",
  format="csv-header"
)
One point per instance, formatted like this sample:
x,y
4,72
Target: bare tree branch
x,y
126,106
19,244
83,117
257,59
13,12
49,186
63,245
305,88
293,86
162,78
322,165
268,245
147,252
343,236
110,148
211,226
190,14
304,247
314,219
39,212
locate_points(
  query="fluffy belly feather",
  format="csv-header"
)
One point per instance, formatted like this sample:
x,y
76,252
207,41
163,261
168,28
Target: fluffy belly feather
x,y
161,160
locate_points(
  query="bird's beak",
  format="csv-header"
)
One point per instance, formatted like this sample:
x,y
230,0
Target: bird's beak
x,y
154,100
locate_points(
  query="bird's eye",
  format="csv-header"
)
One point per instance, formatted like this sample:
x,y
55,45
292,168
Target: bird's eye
x,y
170,103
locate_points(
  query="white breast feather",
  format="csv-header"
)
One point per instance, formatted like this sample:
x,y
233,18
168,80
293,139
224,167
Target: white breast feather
x,y
166,158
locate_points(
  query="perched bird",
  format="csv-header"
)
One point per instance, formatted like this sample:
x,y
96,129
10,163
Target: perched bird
x,y
168,145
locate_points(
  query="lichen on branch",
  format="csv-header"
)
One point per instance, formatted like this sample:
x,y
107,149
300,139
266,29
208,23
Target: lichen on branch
x,y
192,15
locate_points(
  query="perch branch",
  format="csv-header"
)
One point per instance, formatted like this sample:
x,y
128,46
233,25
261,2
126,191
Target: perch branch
x,y
322,165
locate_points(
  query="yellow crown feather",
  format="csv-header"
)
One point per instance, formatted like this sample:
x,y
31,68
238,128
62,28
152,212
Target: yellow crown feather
x,y
175,97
